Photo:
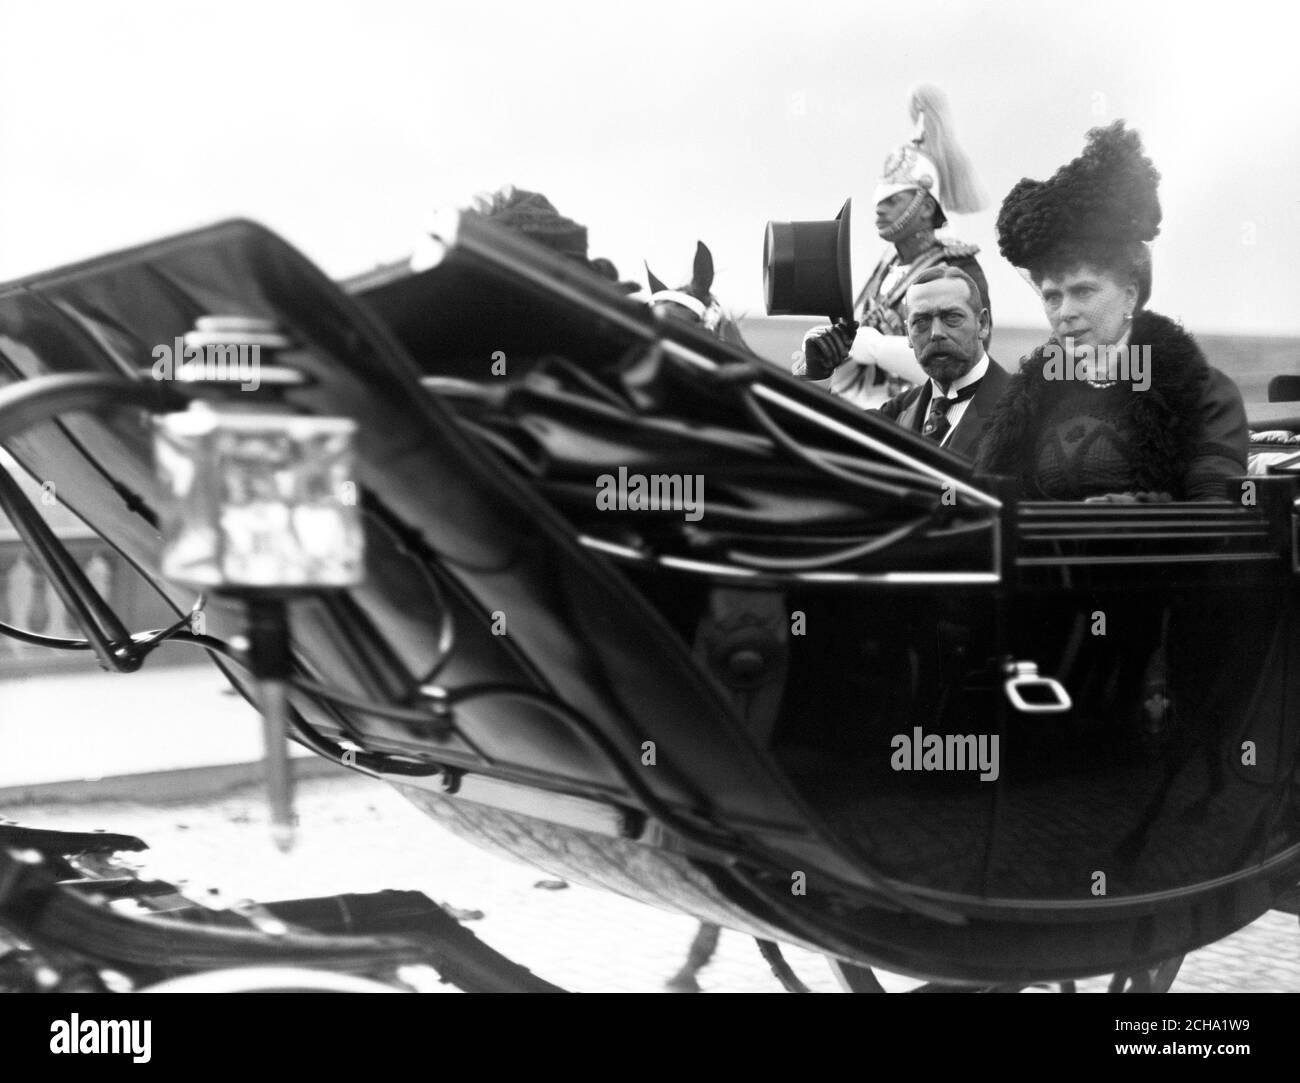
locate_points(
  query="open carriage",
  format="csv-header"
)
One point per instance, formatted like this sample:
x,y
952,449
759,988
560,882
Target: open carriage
x,y
649,614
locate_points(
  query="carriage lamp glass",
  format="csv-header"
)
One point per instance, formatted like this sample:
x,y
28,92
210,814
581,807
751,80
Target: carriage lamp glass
x,y
259,500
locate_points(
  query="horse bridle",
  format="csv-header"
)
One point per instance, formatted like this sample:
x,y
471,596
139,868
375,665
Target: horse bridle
x,y
709,315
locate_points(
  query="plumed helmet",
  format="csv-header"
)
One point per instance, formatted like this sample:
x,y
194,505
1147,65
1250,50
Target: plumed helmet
x,y
932,161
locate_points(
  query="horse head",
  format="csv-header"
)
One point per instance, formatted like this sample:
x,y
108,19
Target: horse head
x,y
694,302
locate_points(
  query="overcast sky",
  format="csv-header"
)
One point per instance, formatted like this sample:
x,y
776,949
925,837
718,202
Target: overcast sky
x,y
341,125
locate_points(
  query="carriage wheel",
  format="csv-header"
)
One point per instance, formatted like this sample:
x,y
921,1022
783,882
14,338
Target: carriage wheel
x,y
1152,979
271,979
855,979
862,979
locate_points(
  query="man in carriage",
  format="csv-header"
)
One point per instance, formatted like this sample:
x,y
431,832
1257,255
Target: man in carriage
x,y
948,330
868,360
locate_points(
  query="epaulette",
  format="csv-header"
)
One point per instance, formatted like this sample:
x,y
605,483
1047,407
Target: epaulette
x,y
959,250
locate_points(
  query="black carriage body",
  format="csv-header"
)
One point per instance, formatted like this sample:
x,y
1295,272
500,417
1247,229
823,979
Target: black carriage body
x,y
781,713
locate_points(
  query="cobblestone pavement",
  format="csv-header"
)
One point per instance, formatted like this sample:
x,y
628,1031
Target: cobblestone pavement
x,y
360,835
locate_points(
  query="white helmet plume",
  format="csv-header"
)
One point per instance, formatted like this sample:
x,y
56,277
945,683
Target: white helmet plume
x,y
934,137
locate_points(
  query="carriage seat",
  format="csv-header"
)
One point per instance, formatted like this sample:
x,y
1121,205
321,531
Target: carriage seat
x,y
1274,434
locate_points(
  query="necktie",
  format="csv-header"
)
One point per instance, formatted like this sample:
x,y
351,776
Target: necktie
x,y
936,421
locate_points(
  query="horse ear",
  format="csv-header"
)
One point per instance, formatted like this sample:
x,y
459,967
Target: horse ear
x,y
702,279
655,285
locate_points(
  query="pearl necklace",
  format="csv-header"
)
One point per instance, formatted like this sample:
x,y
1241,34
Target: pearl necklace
x,y
1091,380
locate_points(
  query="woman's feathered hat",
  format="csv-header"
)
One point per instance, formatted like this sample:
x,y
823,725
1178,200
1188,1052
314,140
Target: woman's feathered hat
x,y
932,161
1103,200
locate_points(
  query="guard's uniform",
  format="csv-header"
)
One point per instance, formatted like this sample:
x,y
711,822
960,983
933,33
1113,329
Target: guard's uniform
x,y
880,363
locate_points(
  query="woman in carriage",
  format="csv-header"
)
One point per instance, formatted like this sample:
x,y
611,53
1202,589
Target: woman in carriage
x,y
1120,404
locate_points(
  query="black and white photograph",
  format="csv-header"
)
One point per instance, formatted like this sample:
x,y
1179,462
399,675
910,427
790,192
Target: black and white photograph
x,y
700,497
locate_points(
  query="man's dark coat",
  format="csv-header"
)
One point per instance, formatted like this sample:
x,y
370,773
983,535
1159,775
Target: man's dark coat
x,y
909,410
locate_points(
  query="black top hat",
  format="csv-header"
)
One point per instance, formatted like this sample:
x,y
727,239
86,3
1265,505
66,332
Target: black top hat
x,y
806,268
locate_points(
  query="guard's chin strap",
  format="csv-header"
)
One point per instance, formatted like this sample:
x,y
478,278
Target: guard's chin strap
x,y
709,315
906,219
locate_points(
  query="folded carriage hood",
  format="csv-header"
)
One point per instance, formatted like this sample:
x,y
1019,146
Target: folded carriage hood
x,y
577,628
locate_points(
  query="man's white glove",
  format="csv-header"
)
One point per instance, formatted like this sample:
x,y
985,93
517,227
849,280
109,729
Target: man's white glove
x,y
892,353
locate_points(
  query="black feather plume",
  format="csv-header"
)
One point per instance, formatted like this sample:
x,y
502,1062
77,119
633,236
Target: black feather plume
x,y
1107,195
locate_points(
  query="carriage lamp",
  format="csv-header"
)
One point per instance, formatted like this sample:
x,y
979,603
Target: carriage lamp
x,y
261,500
263,508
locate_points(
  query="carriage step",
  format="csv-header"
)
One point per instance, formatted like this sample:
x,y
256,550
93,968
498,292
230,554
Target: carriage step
x,y
66,843
370,934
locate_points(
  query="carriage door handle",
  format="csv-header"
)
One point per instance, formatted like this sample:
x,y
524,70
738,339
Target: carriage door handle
x,y
1050,698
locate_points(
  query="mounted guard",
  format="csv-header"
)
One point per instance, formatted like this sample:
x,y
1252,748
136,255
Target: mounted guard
x,y
867,360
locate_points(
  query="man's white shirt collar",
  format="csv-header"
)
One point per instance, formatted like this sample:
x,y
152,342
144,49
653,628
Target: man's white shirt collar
x,y
976,373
